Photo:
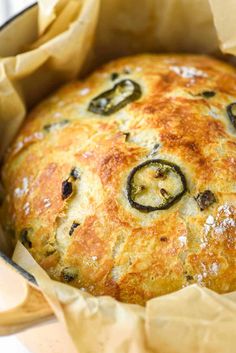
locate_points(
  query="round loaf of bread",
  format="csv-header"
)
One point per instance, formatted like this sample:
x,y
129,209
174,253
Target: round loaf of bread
x,y
124,184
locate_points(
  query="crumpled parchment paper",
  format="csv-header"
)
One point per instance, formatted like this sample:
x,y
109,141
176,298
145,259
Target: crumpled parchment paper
x,y
75,36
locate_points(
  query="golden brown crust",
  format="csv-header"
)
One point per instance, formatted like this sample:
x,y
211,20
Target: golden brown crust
x,y
114,248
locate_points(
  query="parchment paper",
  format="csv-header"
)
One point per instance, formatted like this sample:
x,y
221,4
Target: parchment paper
x,y
74,37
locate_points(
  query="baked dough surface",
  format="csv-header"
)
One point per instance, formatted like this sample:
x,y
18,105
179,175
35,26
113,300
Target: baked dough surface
x,y
66,180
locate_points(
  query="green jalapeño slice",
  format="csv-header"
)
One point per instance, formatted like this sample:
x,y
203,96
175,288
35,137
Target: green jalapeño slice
x,y
231,111
155,185
109,102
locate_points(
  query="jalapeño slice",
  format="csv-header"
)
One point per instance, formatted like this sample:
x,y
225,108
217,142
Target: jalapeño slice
x,y
69,274
56,126
208,94
155,185
109,102
231,111
24,237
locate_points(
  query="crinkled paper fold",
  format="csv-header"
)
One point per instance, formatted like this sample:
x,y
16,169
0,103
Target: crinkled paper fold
x,y
75,36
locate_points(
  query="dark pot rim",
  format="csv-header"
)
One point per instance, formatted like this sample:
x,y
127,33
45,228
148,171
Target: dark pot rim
x,y
5,258
13,18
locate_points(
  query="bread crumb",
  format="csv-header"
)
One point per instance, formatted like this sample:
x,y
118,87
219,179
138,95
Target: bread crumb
x,y
183,240
226,209
84,91
199,278
187,71
209,223
87,154
57,115
26,208
203,244
210,220
38,135
19,192
47,203
214,268
213,113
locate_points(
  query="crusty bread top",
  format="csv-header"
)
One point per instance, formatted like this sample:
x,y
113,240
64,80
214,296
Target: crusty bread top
x,y
68,173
